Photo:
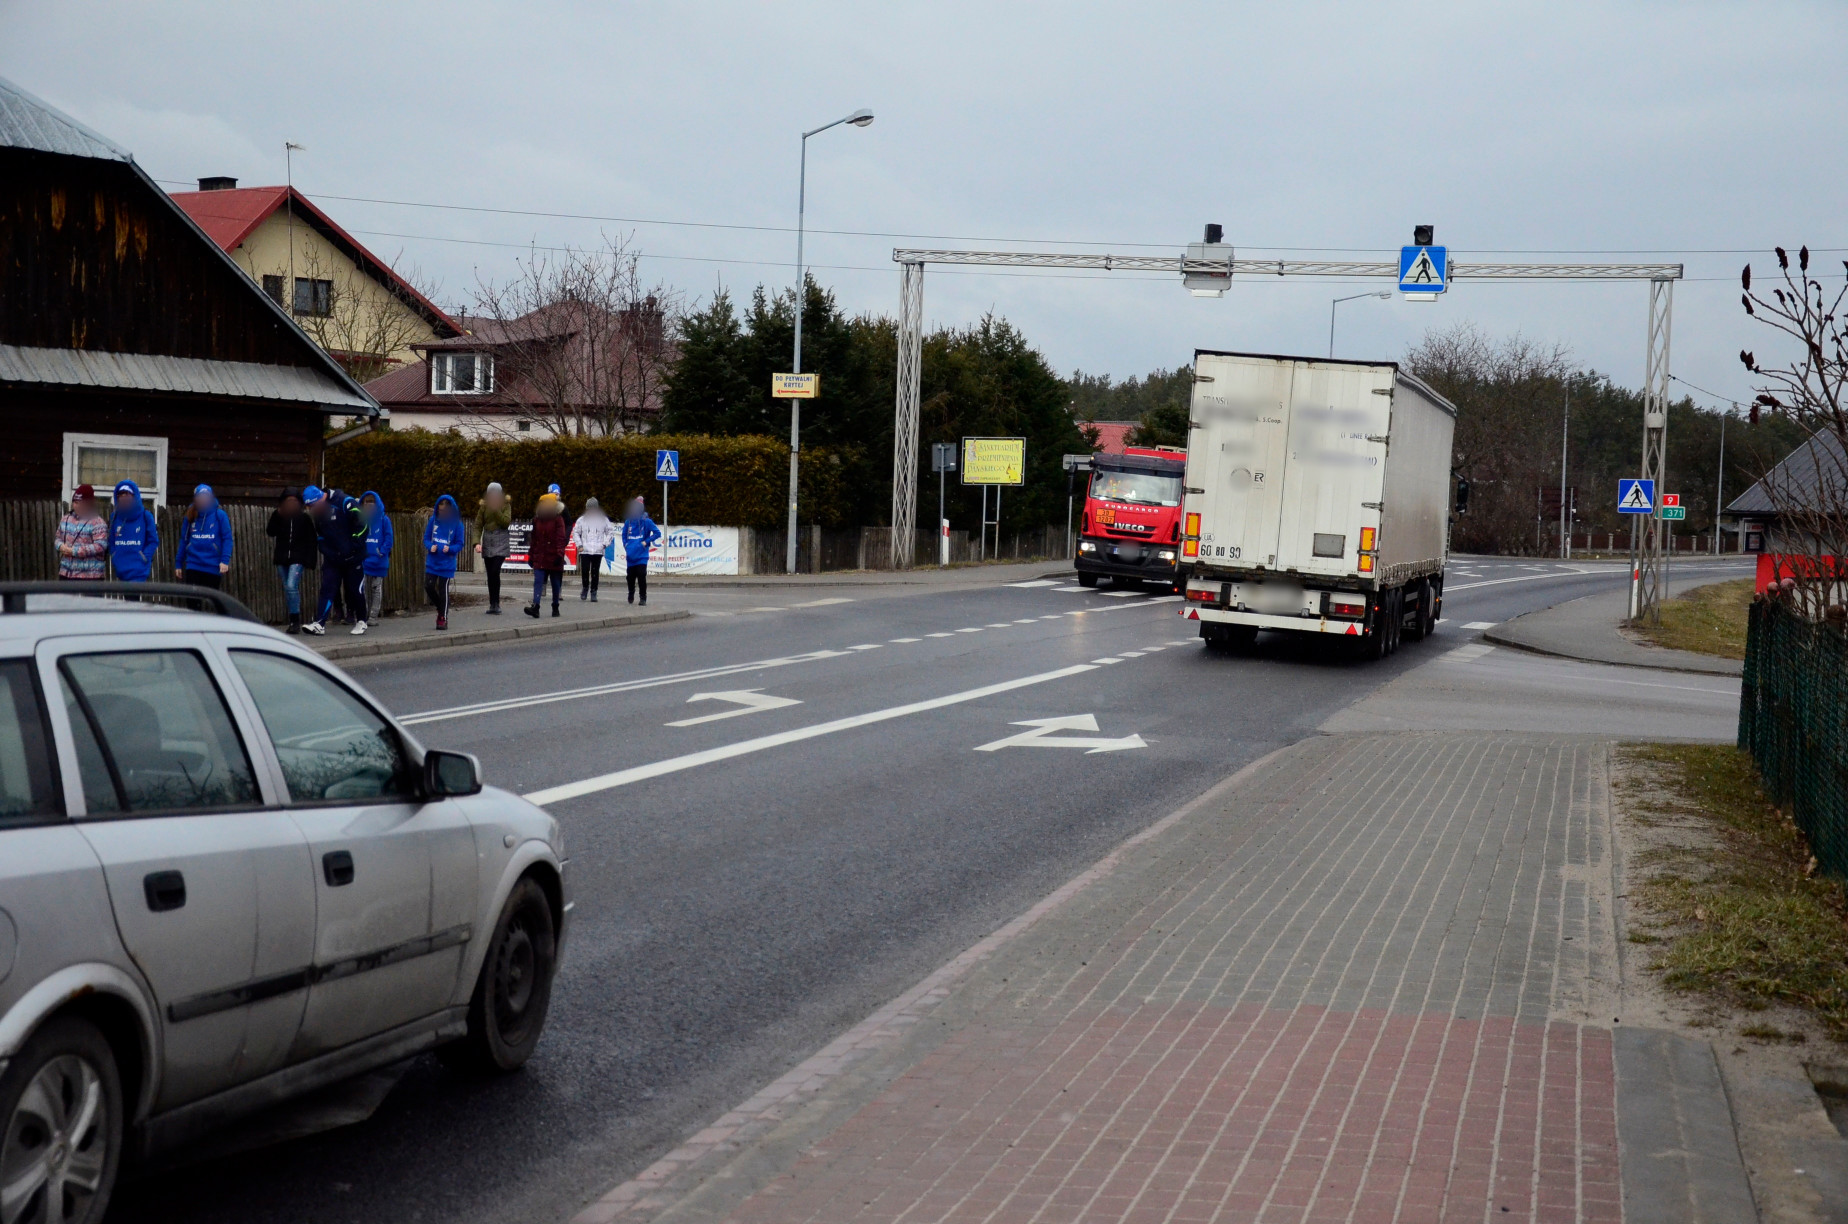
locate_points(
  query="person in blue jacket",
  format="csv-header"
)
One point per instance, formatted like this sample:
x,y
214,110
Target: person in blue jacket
x,y
204,555
134,537
638,532
341,533
445,536
375,560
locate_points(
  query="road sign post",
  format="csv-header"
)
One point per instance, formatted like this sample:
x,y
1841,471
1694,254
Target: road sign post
x,y
942,460
795,388
667,471
996,462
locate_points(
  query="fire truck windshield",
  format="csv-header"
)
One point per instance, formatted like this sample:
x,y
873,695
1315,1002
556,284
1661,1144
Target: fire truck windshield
x,y
1141,488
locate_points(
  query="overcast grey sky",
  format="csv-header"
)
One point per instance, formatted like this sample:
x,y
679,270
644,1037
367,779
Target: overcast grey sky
x,y
1672,131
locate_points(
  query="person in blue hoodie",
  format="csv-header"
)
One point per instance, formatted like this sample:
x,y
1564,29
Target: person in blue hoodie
x,y
134,537
445,536
376,559
638,532
204,555
341,533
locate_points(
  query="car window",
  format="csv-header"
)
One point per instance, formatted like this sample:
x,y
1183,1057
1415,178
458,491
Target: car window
x,y
27,795
332,746
99,789
165,734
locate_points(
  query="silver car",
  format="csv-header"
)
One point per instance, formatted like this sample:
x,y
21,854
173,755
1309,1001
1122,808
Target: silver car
x,y
228,877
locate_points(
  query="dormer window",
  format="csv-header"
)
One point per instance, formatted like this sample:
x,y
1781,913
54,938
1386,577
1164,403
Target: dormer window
x,y
461,373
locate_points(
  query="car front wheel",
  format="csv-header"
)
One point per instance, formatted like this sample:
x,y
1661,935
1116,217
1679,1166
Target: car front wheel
x,y
507,1011
61,1104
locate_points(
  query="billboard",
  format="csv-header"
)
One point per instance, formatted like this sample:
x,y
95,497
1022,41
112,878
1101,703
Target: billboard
x,y
994,461
695,550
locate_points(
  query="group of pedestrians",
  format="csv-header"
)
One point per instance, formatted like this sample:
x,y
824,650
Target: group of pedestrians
x,y
350,540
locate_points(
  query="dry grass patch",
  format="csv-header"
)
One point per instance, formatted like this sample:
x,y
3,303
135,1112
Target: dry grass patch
x,y
1707,620
1735,910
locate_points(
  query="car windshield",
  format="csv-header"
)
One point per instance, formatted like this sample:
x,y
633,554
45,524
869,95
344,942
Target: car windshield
x,y
1143,488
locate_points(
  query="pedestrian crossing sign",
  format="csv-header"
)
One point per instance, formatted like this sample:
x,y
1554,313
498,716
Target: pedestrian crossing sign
x,y
667,465
1635,496
1424,270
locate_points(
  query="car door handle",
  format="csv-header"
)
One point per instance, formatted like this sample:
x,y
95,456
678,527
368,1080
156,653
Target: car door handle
x,y
165,890
337,867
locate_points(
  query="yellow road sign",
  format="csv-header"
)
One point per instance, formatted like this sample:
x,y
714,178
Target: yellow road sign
x,y
994,461
795,386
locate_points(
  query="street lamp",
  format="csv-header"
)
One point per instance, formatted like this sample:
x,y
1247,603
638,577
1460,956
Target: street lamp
x,y
859,118
1384,293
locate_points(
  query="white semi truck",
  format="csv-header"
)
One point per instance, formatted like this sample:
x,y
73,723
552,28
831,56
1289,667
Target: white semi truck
x,y
1317,500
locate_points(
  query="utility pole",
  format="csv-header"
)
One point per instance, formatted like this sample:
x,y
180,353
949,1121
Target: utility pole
x,y
1719,488
289,150
1565,435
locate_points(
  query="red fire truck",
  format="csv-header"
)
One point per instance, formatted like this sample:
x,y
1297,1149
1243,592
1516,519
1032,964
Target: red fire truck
x,y
1132,517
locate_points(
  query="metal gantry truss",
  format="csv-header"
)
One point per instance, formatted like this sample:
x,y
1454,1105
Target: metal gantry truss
x,y
1648,568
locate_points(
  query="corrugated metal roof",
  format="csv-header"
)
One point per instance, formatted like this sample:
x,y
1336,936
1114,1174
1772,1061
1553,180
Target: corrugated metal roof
x,y
27,122
191,375
1799,479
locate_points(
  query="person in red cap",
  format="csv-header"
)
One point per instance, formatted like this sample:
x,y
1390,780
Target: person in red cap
x,y
83,539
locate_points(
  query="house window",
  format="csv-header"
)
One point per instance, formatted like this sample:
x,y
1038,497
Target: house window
x,y
313,297
272,288
105,460
526,426
461,373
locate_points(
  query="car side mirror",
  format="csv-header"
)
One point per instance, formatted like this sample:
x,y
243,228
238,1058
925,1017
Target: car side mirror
x,y
450,773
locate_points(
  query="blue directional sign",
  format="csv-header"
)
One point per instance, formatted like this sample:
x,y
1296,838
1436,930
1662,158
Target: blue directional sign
x,y
1424,269
1636,496
667,465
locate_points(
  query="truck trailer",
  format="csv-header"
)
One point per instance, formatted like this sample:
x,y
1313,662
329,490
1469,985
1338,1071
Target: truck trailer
x,y
1317,500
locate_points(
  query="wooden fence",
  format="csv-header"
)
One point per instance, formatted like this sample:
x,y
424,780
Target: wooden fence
x,y
29,553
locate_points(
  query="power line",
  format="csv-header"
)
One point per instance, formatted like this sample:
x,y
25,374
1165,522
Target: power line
x,y
1727,399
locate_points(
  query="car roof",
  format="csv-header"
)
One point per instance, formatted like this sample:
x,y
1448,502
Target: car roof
x,y
53,616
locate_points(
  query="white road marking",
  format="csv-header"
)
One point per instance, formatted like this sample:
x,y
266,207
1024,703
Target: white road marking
x,y
822,603
1041,736
904,639
1119,594
1001,625
1052,616
694,760
968,631
1531,577
765,609
602,690
749,701
867,646
1481,624
939,635
1025,620
1165,599
1131,654
1069,590
1465,654
1153,649
1037,582
1107,660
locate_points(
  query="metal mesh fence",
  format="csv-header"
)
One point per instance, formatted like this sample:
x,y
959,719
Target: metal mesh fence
x,y
1793,719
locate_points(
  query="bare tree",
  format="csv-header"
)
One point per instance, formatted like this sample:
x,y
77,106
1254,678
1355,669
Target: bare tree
x,y
1809,489
363,323
579,341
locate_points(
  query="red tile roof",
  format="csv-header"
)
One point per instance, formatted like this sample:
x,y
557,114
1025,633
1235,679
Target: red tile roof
x,y
1112,436
229,217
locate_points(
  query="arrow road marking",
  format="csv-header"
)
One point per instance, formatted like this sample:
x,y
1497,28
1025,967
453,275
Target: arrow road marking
x,y
749,701
1041,736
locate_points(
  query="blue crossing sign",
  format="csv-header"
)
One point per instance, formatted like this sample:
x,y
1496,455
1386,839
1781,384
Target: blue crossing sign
x,y
1424,269
1635,496
667,465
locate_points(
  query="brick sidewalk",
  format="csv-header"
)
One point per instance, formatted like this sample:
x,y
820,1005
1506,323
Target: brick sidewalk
x,y
1370,982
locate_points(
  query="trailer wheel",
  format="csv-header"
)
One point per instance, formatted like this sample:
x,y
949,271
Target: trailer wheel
x,y
1395,624
1087,580
1420,621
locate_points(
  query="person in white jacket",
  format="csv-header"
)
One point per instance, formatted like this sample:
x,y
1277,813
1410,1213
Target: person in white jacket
x,y
592,533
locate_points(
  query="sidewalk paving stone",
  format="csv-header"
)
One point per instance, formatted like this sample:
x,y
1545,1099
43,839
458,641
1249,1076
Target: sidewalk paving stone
x,y
1370,981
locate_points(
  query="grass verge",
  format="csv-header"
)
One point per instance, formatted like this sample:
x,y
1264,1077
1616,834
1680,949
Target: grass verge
x,y
1707,620
1737,913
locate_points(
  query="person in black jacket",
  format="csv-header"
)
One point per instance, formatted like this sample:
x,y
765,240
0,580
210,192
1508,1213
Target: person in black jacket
x,y
341,534
294,552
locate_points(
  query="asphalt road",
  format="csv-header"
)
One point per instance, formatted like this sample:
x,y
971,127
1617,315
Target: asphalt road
x,y
749,886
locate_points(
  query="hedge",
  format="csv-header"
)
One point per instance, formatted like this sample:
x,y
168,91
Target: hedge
x,y
724,481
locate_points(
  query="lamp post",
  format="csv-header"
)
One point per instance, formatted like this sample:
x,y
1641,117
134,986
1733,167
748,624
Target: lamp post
x,y
1384,293
859,118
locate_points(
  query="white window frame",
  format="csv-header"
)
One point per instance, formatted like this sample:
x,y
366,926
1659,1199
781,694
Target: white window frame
x,y
441,376
73,442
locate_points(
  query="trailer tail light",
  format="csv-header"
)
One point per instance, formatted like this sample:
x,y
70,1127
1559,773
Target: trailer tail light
x,y
1191,534
1367,536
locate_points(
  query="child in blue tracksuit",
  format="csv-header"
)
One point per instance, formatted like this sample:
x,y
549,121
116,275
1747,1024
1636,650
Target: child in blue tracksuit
x,y
445,536
204,555
134,537
375,560
638,532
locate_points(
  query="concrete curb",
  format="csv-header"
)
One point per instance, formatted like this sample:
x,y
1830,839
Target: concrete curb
x,y
507,633
675,1176
1501,637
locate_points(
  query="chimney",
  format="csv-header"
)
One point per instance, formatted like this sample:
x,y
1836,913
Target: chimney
x,y
218,182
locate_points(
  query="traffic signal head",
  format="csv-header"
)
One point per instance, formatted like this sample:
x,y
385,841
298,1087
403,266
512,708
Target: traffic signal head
x,y
1423,235
1215,232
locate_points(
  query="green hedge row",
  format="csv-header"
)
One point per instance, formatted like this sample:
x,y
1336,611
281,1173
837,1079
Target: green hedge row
x,y
724,481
